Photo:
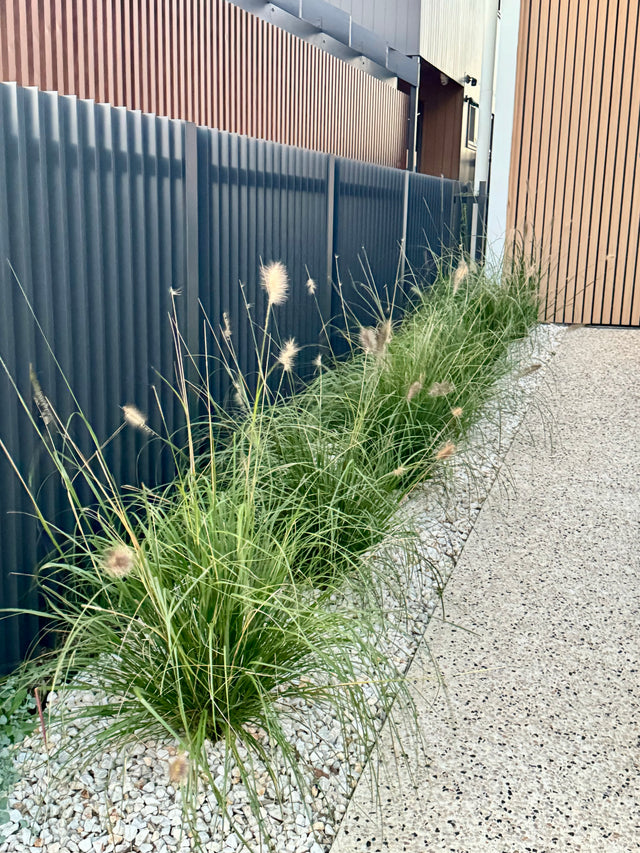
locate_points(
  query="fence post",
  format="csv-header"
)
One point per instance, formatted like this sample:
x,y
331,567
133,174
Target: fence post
x,y
405,216
332,213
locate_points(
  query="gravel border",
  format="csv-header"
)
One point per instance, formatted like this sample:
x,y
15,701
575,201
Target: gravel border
x,y
127,803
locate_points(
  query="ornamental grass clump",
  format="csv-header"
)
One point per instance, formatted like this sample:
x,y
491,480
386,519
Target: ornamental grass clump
x,y
205,610
187,610
331,457
440,363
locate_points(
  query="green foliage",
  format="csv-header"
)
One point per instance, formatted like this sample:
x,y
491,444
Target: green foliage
x,y
208,607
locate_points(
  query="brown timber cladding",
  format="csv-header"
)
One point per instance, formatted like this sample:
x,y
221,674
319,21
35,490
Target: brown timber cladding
x,y
206,61
574,190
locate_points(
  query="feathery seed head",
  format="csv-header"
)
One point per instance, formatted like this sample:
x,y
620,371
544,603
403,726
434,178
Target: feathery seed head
x,y
368,340
414,389
383,336
226,329
457,412
275,281
375,341
317,361
173,291
399,471
461,272
287,354
311,286
241,395
134,417
119,561
446,451
179,769
440,389
44,408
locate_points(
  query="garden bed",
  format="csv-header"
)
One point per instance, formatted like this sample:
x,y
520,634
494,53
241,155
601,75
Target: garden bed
x,y
127,801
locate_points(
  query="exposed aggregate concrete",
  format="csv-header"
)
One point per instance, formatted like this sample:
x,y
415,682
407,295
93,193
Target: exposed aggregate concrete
x,y
534,742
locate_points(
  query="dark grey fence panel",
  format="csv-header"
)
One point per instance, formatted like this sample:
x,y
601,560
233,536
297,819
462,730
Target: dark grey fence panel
x,y
262,202
368,233
112,220
433,228
92,222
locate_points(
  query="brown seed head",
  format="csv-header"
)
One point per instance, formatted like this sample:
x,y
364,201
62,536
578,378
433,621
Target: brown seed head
x,y
446,451
414,389
179,769
532,368
440,389
119,561
275,281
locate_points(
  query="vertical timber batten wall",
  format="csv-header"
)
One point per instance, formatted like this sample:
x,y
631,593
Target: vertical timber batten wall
x,y
208,62
573,192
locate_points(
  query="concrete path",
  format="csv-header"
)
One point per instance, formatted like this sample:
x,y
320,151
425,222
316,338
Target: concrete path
x,y
534,744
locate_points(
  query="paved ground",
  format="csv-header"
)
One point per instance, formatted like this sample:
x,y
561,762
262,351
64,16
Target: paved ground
x,y
534,744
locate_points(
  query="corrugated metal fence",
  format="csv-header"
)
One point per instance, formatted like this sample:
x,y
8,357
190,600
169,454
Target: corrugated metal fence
x,y
206,61
102,211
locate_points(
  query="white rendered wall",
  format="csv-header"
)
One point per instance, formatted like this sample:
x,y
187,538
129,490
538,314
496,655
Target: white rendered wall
x,y
505,85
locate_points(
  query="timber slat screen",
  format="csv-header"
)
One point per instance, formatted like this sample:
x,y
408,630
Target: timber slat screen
x,y
103,212
208,62
574,191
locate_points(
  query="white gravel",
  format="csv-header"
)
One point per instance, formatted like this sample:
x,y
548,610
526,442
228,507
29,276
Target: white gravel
x,y
126,804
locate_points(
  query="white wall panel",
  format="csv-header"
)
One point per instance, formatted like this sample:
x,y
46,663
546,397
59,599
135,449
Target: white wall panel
x,y
451,34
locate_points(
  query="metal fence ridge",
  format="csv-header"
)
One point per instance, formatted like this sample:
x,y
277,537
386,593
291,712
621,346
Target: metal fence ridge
x,y
104,212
